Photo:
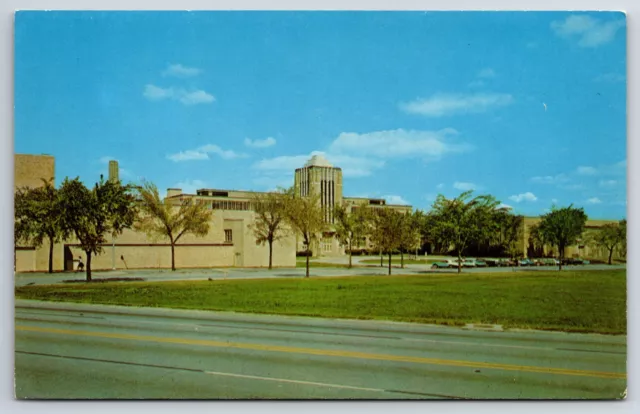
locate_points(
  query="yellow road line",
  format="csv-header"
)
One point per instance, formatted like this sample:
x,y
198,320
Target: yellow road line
x,y
327,352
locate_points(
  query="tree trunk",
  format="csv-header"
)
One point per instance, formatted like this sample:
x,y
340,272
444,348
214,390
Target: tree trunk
x,y
307,273
173,256
459,263
389,262
610,255
50,255
381,258
270,254
401,259
350,253
88,265
561,256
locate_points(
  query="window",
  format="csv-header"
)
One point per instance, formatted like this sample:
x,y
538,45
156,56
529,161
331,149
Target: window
x,y
327,245
228,235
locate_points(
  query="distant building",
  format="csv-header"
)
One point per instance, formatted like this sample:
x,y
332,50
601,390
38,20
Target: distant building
x,y
319,176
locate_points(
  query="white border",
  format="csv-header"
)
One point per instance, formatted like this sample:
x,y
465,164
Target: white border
x,y
9,405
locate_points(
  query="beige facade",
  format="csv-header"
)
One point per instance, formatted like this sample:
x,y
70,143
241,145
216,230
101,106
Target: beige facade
x,y
229,243
30,171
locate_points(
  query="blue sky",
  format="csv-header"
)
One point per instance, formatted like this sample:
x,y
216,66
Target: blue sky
x,y
528,106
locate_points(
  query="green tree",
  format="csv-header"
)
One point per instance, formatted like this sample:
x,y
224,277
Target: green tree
x,y
464,220
38,216
160,217
270,224
21,224
307,219
387,231
562,227
611,236
350,226
510,234
409,233
622,250
108,208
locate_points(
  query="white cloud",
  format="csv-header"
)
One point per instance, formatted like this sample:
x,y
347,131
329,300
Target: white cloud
x,y
550,179
359,155
610,77
156,93
448,104
395,199
202,153
398,143
607,183
593,200
189,155
195,97
464,186
589,31
528,196
260,143
283,162
554,200
440,186
583,170
487,73
351,166
181,71
190,186
505,206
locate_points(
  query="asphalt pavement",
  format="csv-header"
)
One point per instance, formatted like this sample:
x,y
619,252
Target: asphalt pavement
x,y
70,351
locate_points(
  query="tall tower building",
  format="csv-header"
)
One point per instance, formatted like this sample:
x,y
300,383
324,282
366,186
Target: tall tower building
x,y
114,174
318,176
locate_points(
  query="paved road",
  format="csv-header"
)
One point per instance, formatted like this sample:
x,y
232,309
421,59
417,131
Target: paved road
x,y
98,351
23,279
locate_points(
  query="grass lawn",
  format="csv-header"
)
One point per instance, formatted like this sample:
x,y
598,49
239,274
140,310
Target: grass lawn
x,y
578,301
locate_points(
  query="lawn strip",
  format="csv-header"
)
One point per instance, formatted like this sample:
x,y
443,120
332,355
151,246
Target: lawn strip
x,y
574,301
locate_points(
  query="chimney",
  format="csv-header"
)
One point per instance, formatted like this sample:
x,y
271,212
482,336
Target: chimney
x,y
114,174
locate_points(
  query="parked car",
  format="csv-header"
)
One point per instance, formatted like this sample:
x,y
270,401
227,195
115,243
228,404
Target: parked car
x,y
492,262
445,264
526,262
469,263
441,265
545,261
479,262
506,263
574,261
